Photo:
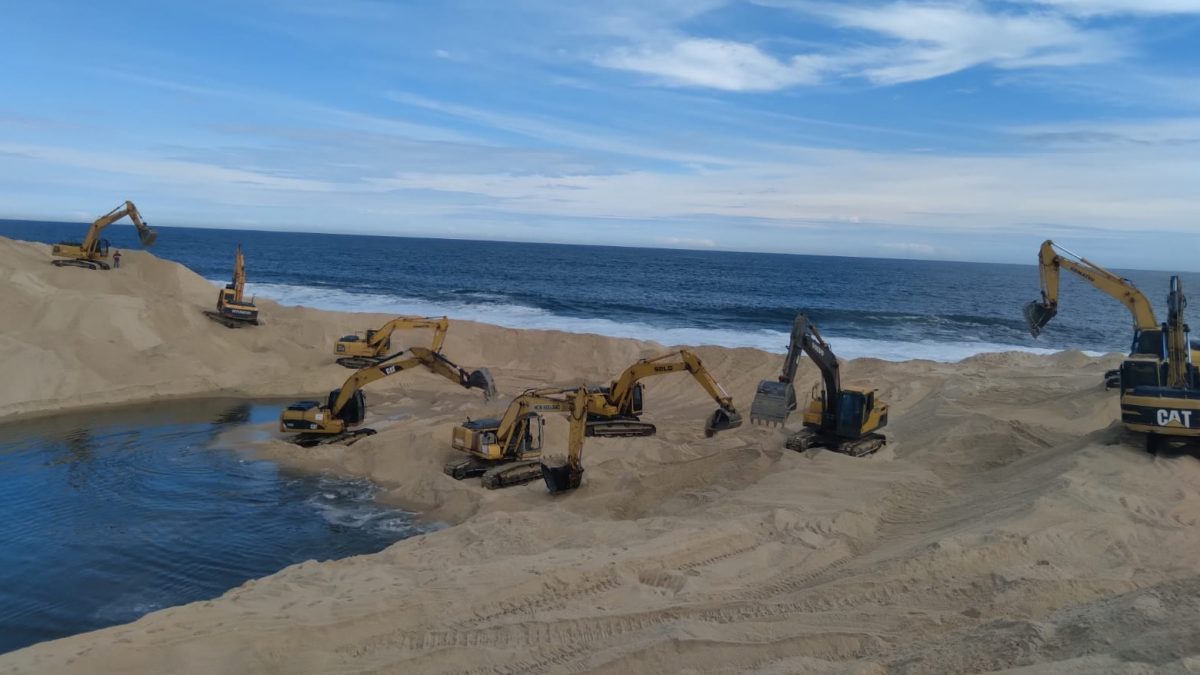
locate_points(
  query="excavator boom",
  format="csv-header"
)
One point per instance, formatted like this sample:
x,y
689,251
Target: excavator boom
x,y
1179,360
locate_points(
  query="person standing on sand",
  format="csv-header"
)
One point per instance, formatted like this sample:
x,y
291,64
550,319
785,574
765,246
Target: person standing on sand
x,y
117,260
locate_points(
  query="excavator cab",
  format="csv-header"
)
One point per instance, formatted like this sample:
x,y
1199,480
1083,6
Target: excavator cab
x,y
530,444
852,411
635,405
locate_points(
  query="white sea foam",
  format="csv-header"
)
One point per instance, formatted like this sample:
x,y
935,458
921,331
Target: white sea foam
x,y
522,316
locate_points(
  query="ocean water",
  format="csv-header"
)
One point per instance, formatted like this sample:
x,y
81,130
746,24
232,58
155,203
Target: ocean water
x,y
109,516
891,309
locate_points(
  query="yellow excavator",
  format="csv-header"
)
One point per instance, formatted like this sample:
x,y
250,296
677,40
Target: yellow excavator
x,y
1148,333
612,411
616,409
233,309
1161,397
92,252
506,450
838,418
346,407
364,349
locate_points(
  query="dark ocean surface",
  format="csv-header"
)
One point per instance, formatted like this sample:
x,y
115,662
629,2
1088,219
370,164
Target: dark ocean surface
x,y
893,309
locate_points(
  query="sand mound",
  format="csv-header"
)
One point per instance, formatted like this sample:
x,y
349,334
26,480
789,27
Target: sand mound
x,y
1009,525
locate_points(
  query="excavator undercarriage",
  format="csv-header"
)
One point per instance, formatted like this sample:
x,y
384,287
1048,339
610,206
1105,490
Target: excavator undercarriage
x,y
229,322
79,262
808,439
357,362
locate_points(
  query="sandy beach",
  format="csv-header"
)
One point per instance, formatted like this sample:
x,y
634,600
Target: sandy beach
x,y
1009,525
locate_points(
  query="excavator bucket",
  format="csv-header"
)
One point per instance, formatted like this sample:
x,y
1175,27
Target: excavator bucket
x,y
147,236
482,379
773,402
1038,314
722,420
562,478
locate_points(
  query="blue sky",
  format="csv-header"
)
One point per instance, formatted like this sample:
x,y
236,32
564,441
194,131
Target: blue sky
x,y
963,130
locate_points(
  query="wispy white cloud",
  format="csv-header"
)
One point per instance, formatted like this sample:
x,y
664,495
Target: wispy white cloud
x,y
1104,7
574,135
935,39
910,41
1172,132
718,64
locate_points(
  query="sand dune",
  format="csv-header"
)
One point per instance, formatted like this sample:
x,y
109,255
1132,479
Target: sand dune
x,y
1009,525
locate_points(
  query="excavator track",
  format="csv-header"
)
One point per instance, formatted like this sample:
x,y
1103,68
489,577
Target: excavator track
x,y
358,362
807,439
469,467
231,323
345,438
512,473
1112,379
619,428
85,264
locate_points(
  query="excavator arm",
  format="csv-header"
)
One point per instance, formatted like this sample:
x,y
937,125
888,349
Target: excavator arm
x,y
475,379
1178,349
145,234
440,326
419,356
569,475
239,275
1053,258
775,400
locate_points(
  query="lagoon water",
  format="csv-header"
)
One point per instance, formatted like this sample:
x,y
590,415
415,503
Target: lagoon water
x,y
109,516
